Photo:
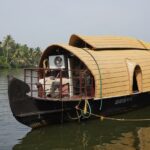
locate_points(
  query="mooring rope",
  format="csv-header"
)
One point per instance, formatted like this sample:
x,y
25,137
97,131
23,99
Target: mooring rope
x,y
75,118
114,119
85,112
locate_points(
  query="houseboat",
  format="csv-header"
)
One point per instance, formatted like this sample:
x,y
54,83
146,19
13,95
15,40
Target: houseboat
x,y
101,75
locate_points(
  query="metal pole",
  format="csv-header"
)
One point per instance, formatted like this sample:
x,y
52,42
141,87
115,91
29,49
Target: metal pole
x,y
25,75
31,82
70,78
60,86
44,83
80,79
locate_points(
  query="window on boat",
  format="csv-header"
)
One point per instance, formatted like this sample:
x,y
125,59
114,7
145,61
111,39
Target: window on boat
x,y
83,81
137,79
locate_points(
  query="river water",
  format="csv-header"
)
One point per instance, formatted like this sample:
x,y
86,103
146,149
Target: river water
x,y
89,135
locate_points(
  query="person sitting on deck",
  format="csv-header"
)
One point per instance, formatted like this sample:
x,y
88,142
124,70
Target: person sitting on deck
x,y
52,86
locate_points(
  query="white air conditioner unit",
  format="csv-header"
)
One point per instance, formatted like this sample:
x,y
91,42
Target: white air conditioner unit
x,y
57,62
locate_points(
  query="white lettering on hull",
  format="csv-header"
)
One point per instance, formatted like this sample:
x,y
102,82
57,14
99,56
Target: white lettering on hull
x,y
123,100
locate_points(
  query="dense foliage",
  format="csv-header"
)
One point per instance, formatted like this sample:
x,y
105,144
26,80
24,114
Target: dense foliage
x,y
13,54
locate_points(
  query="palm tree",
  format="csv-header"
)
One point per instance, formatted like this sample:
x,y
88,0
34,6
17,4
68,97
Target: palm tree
x,y
1,50
16,55
8,46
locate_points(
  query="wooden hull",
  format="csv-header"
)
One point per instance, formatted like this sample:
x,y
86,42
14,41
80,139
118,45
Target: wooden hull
x,y
36,112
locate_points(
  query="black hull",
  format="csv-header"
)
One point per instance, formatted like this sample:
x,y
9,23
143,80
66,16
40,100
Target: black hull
x,y
35,112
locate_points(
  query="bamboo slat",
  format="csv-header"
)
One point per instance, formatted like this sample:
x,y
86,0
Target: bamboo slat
x,y
147,84
115,90
113,71
145,81
146,76
121,93
114,80
145,72
117,84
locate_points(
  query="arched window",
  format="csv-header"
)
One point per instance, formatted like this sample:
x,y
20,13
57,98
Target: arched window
x,y
135,76
137,79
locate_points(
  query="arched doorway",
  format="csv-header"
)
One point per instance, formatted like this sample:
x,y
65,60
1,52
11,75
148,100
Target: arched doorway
x,y
135,76
137,79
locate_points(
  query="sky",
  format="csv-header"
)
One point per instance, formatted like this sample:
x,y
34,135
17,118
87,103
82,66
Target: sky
x,y
40,23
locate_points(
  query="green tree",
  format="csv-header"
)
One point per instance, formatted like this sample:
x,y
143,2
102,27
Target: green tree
x,y
8,46
16,55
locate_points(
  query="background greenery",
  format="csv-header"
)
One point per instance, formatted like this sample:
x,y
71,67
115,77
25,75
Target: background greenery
x,y
13,54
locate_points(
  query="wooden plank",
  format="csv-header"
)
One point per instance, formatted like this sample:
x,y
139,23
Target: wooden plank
x,y
109,76
120,52
113,80
144,68
111,64
113,71
117,56
117,42
112,75
119,93
120,59
108,62
145,71
116,89
146,76
146,86
88,58
144,65
95,72
104,71
113,67
145,81
92,67
125,51
117,84
111,87
146,89
142,61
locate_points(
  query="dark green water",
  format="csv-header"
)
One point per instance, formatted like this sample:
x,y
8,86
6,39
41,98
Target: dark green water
x,y
89,135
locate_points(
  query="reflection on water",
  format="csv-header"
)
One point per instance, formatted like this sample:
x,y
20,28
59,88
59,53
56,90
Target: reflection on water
x,y
94,134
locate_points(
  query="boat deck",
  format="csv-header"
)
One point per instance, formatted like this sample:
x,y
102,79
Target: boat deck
x,y
73,98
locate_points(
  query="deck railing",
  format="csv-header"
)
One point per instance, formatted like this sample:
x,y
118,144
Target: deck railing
x,y
52,83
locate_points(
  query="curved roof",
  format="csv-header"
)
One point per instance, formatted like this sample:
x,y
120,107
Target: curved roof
x,y
106,42
85,57
109,67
